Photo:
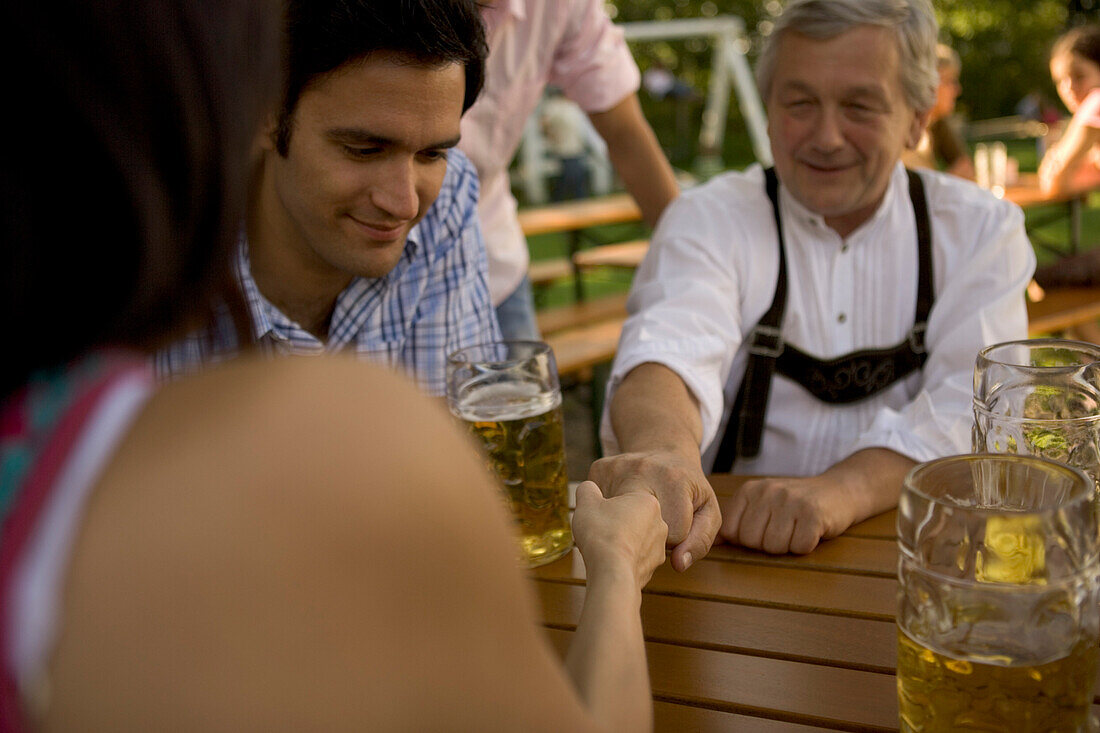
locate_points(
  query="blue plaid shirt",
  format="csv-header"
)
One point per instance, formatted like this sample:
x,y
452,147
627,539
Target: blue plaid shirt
x,y
435,301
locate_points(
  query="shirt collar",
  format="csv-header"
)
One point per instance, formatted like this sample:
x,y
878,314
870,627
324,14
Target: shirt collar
x,y
269,320
259,308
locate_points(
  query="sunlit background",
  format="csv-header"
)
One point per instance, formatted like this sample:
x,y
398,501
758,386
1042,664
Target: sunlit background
x,y
1003,44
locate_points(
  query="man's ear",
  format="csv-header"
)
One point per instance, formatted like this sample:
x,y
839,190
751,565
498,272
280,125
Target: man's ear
x,y
264,142
916,128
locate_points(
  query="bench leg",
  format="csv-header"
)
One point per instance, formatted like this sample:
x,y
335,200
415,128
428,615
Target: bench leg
x,y
1075,226
600,374
574,247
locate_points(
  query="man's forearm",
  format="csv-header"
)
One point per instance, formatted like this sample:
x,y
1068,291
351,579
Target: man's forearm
x,y
874,476
653,410
637,157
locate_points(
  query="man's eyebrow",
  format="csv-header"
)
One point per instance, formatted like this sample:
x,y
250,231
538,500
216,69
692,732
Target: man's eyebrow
x,y
358,136
860,91
793,85
869,90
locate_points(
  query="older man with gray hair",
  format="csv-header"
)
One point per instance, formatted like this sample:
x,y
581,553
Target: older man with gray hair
x,y
817,321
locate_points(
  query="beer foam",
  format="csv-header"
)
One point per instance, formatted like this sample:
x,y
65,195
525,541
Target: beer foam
x,y
506,401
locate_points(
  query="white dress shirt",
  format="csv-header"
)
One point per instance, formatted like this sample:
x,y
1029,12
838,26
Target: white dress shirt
x,y
711,272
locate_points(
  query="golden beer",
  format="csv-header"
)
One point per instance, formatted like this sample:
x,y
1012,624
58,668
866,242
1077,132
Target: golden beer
x,y
519,426
940,693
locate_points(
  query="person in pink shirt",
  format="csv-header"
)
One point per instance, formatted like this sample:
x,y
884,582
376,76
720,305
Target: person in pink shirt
x,y
573,45
1074,161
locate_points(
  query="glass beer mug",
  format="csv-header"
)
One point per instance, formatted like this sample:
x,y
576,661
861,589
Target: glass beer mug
x,y
1040,397
998,604
507,393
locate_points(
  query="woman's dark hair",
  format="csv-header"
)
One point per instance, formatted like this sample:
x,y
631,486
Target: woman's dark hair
x,y
324,35
1083,41
122,182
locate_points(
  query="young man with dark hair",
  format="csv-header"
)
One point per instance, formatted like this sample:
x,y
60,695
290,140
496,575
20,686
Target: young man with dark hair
x,y
362,232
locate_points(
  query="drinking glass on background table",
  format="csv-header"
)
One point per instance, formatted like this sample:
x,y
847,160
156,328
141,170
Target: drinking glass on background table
x,y
1040,397
508,395
999,598
991,167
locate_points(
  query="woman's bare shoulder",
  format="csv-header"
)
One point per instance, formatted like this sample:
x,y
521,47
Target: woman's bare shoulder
x,y
331,413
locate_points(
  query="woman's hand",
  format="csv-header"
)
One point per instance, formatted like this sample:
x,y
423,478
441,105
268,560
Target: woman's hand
x,y
623,532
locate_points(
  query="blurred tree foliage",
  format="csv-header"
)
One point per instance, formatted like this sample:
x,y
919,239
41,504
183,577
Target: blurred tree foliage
x,y
1003,45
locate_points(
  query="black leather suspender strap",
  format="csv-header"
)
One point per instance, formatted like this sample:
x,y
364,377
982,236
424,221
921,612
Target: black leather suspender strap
x,y
845,379
765,344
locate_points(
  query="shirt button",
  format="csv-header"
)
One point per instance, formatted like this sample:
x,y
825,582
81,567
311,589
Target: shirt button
x,y
844,247
841,318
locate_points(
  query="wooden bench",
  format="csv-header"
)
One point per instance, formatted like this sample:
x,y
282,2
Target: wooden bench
x,y
1063,308
577,350
544,272
573,216
584,313
627,255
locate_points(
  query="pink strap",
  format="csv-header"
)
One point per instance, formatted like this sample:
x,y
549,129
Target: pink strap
x,y
27,505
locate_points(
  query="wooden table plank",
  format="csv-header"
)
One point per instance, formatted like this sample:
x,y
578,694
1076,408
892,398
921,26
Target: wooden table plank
x,y
855,555
859,596
794,692
669,716
780,634
882,526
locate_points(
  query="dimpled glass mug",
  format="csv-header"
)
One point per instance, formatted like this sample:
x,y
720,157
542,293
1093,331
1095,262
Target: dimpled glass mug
x,y
508,396
998,613
1040,397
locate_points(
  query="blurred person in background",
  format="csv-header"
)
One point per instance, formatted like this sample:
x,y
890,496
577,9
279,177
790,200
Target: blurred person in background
x,y
563,126
1073,161
941,146
362,232
573,45
295,544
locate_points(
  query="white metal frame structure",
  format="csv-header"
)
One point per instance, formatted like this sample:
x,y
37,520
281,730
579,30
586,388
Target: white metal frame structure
x,y
729,67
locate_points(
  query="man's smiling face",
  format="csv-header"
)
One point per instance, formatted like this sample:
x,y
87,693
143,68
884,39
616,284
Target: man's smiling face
x,y
366,159
839,121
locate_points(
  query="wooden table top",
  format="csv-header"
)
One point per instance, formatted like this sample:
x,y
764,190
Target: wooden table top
x,y
1025,193
582,214
745,641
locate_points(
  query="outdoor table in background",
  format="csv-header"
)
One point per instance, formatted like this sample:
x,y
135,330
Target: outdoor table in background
x,y
745,641
574,216
1025,193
